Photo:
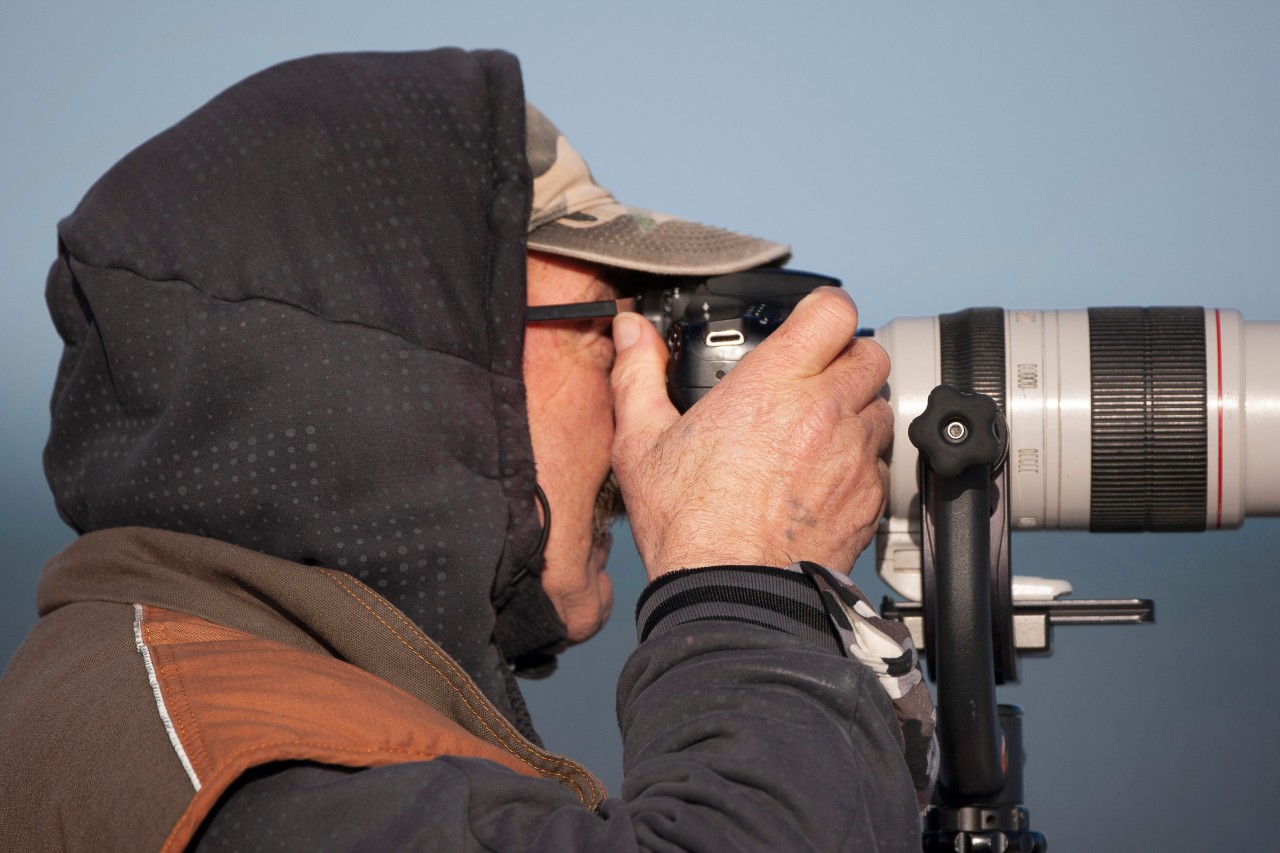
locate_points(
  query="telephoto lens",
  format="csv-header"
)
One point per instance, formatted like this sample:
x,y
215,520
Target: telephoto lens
x,y
1120,419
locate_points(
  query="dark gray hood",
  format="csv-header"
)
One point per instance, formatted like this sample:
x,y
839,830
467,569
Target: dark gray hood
x,y
294,322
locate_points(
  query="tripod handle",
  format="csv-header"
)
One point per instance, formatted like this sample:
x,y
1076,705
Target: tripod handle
x,y
961,437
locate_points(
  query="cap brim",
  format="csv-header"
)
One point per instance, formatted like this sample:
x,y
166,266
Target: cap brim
x,y
636,239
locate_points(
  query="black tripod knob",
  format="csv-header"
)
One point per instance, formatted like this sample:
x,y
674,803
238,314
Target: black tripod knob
x,y
958,429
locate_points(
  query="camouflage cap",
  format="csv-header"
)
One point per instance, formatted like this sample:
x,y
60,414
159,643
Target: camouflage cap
x,y
576,217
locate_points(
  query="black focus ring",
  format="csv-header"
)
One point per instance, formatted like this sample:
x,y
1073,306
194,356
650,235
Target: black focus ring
x,y
972,352
1150,468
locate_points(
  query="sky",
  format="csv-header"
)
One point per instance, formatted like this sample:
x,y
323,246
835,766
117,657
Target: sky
x,y
1025,155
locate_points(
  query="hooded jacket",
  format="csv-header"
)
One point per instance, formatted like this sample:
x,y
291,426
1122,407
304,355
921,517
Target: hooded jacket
x,y
294,322
293,327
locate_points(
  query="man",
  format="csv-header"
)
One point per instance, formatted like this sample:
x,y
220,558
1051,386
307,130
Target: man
x,y
333,495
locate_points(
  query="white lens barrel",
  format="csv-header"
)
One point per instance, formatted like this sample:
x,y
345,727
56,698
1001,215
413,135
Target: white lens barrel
x,y
1119,418
1251,415
1048,380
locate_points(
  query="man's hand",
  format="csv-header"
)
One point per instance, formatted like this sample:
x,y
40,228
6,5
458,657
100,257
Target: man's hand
x,y
781,461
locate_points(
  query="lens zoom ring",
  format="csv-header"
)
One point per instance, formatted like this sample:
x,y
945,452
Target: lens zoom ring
x,y
972,344
1150,466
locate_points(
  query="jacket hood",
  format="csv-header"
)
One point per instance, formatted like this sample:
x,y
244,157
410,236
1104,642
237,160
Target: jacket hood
x,y
294,322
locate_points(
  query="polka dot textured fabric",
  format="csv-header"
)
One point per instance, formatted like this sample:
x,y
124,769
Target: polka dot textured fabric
x,y
294,320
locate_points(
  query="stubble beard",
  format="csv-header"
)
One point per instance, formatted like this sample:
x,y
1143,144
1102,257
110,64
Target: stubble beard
x,y
608,509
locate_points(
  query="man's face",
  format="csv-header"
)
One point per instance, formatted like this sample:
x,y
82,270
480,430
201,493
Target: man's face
x,y
566,374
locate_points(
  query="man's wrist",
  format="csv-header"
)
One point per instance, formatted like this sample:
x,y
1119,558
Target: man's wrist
x,y
764,596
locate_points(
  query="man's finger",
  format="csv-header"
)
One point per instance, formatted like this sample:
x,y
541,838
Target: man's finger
x,y
639,379
879,416
815,333
858,374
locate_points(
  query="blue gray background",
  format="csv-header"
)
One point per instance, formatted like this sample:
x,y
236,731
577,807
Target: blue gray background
x,y
934,157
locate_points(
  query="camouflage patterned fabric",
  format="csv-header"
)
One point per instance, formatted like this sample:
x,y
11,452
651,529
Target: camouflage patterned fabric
x,y
576,217
888,649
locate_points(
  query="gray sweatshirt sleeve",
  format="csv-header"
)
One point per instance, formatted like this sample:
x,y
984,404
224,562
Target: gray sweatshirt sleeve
x,y
741,730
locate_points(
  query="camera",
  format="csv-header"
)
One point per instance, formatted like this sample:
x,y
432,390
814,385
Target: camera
x,y
1120,419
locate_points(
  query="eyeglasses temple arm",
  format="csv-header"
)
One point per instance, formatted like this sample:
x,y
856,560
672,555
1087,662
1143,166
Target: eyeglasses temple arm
x,y
578,310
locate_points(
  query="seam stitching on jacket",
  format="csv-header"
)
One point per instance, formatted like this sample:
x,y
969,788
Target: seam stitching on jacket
x,y
476,712
154,680
236,301
595,789
565,777
162,644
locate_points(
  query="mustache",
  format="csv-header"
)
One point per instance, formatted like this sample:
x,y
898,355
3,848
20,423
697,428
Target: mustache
x,y
609,506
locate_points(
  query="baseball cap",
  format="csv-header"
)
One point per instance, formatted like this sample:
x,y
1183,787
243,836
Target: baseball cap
x,y
576,217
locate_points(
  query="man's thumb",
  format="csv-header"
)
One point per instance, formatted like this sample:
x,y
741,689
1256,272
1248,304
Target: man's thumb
x,y
640,399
